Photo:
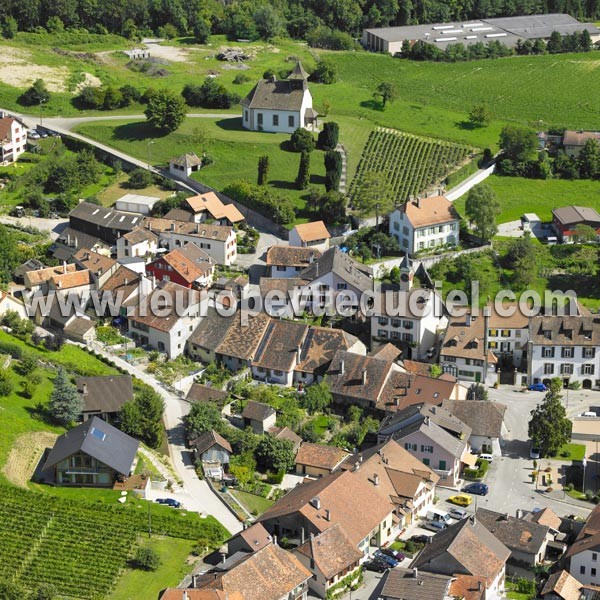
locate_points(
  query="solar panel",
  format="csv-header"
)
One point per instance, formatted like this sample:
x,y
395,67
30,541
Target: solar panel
x,y
98,434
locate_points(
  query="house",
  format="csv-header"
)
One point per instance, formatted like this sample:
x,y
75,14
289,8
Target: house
x,y
251,539
564,346
261,417
288,261
574,141
331,557
101,222
285,433
270,573
389,352
280,106
434,436
13,139
137,54
425,224
526,540
141,242
103,396
467,548
204,393
468,587
100,266
80,329
398,477
123,290
191,594
317,459
179,214
562,586
184,165
316,505
486,421
507,334
413,584
9,302
93,454
188,266
208,206
212,449
136,203
38,280
33,264
218,241
70,240
277,291
310,235
464,352
584,555
167,317
565,221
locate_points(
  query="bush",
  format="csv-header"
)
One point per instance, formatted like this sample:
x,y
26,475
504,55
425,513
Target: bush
x,y
140,179
410,547
302,140
211,94
326,72
589,494
146,559
569,487
330,39
241,78
328,137
263,201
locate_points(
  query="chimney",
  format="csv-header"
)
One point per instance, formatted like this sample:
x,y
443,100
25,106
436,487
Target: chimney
x,y
223,558
479,586
64,267
468,319
311,258
99,272
198,228
316,502
149,226
427,421
302,539
125,281
418,201
342,366
416,573
185,596
356,466
327,514
275,538
375,479
364,377
84,389
298,353
172,225
312,537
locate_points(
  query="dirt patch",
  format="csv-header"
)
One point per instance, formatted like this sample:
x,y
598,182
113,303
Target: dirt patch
x,y
172,53
18,69
90,80
25,455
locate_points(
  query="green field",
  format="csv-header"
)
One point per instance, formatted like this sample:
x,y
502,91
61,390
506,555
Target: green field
x,y
254,504
518,195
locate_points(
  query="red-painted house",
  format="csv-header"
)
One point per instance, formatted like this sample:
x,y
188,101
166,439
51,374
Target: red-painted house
x,y
189,266
566,219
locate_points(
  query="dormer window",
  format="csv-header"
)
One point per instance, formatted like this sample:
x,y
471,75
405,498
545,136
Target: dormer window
x,y
548,334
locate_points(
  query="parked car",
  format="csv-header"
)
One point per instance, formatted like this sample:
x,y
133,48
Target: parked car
x,y
534,453
393,553
392,562
481,489
435,526
537,387
169,502
379,566
33,135
421,539
458,513
461,499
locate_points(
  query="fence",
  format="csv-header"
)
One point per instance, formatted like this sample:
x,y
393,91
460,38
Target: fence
x,y
467,184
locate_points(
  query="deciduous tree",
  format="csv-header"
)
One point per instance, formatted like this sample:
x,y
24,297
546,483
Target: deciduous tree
x,y
386,92
275,454
482,208
165,110
317,397
480,115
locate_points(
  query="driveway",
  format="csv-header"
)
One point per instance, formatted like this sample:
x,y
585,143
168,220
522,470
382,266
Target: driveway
x,y
53,226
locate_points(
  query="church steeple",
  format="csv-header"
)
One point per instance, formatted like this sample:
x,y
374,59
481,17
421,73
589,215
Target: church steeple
x,y
298,78
407,273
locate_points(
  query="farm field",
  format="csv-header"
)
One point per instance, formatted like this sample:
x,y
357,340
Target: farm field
x,y
518,195
409,163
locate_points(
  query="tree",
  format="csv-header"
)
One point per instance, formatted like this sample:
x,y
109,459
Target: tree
x,y
332,208
201,418
142,417
263,169
303,177
165,110
554,45
549,427
480,115
521,259
328,136
585,42
589,160
201,31
6,383
373,193
518,143
268,22
65,402
325,72
387,92
435,371
477,392
27,364
317,397
112,98
140,178
333,170
275,454
55,25
147,559
585,233
9,28
36,94
302,140
482,208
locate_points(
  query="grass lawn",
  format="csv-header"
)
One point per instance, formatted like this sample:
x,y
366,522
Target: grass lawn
x,y
576,494
255,505
135,584
573,452
320,424
111,193
518,195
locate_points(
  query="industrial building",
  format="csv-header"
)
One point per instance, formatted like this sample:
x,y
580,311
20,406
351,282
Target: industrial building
x,y
506,30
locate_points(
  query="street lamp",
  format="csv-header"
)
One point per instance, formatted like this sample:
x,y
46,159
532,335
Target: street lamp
x,y
41,106
150,142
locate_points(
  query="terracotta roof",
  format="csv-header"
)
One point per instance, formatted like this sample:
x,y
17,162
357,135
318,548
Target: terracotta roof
x,y
415,389
547,517
285,433
5,128
291,256
190,262
105,393
211,202
484,418
466,341
418,368
388,352
209,439
319,347
220,233
321,456
344,496
79,326
467,548
592,524
193,594
279,348
407,584
564,585
178,214
66,281
565,331
140,234
96,263
467,587
582,544
430,211
269,573
212,329
256,537
579,138
37,277
123,281
257,411
204,393
281,284
516,321
331,551
311,232
242,340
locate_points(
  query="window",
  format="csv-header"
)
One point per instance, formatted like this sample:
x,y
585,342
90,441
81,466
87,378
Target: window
x,y
405,230
407,337
396,226
547,352
506,333
427,449
494,332
582,570
442,465
396,322
246,116
593,572
161,346
166,278
275,120
567,352
407,324
259,119
425,461
409,446
492,344
548,369
395,335
451,359
291,122
382,333
589,352
518,333
382,320
587,369
566,369
342,286
594,556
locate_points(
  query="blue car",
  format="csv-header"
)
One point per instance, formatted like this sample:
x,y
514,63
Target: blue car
x,y
481,489
392,562
537,387
169,502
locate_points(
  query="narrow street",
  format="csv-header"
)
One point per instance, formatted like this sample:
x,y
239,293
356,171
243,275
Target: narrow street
x,y
195,494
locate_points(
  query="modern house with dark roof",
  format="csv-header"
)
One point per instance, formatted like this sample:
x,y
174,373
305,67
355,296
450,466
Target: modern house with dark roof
x,y
280,106
412,584
104,395
93,454
574,141
105,223
261,417
565,221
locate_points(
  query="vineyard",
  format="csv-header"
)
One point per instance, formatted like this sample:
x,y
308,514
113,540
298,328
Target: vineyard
x,y
410,163
79,548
